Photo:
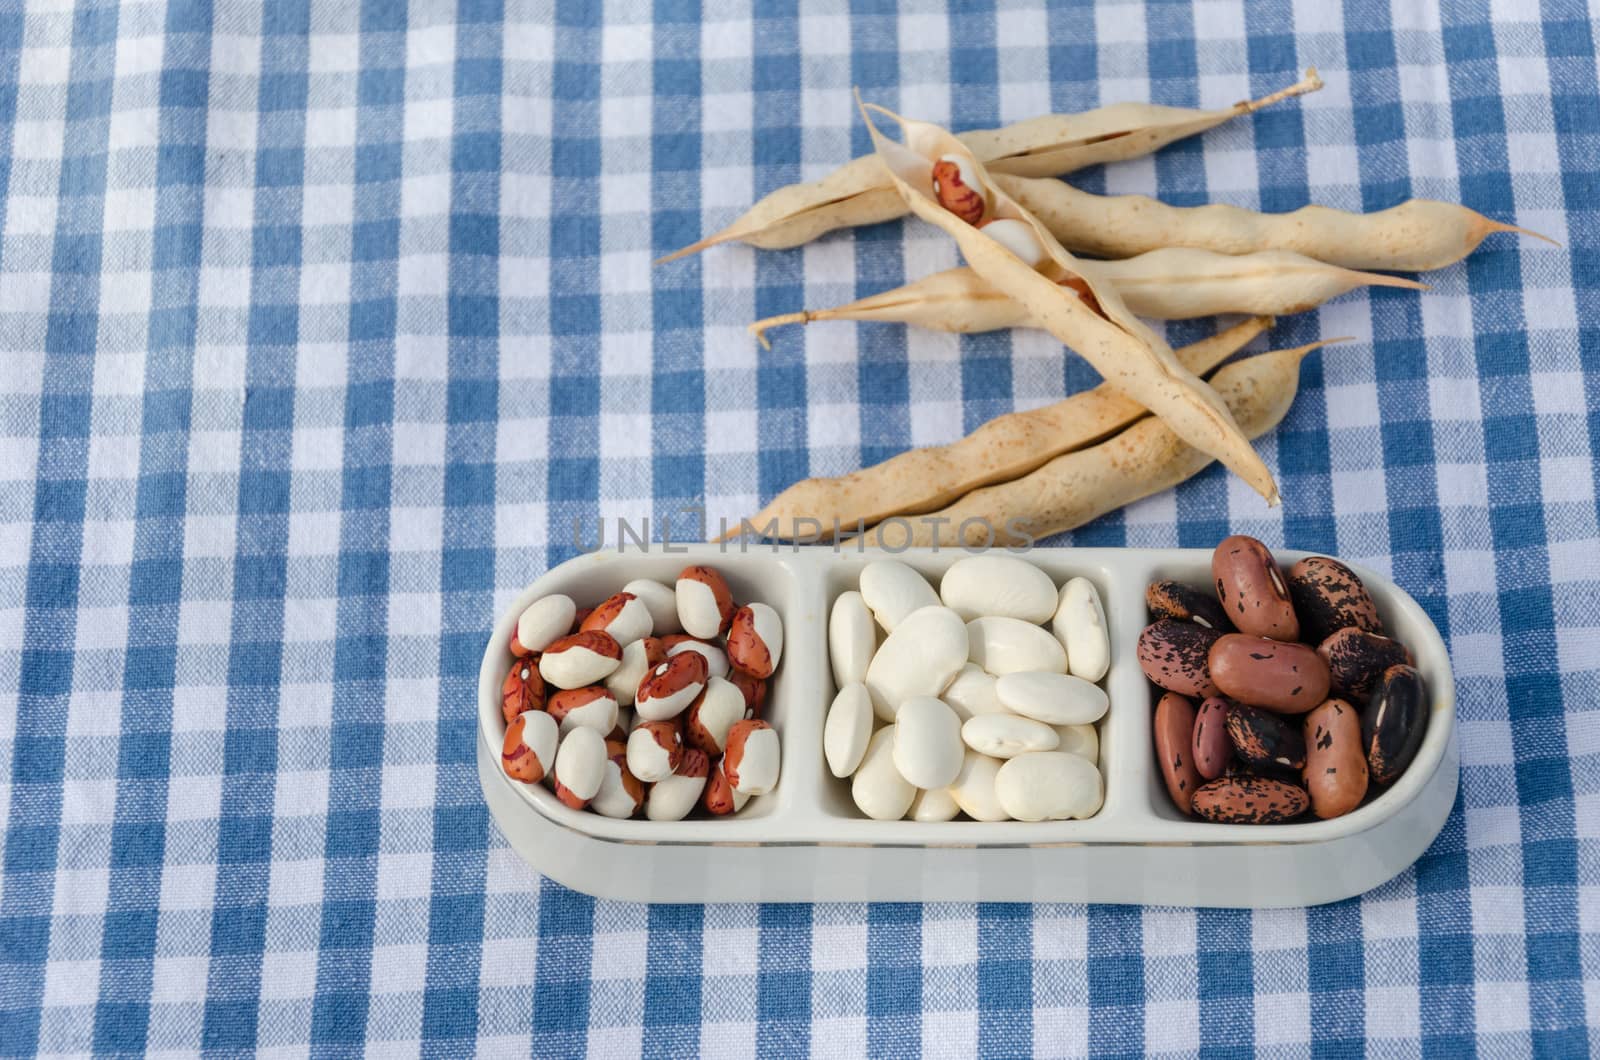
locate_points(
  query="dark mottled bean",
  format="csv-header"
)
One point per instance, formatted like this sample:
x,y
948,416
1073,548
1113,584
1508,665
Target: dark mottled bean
x,y
1251,589
1212,749
1174,732
1394,723
1249,800
1328,597
1261,738
1185,603
1173,654
1356,659
1336,765
1287,678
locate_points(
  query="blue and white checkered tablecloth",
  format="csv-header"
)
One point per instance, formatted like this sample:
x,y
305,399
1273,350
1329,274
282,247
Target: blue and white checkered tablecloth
x,y
321,323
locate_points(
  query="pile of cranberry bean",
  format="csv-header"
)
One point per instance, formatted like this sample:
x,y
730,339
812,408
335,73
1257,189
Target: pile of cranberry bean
x,y
1303,702
651,700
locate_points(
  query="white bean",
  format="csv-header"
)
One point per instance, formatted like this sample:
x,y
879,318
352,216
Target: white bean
x,y
926,650
927,742
852,638
936,804
1081,740
973,789
972,693
1007,735
1080,625
892,591
848,730
1049,786
1055,699
998,585
878,789
1009,645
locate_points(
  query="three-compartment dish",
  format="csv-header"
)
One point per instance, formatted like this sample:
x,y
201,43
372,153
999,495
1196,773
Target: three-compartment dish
x,y
807,840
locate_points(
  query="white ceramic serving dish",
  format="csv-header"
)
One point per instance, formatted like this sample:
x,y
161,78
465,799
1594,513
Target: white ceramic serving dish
x,y
807,842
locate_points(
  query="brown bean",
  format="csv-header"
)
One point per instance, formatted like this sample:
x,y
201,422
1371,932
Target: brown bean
x,y
523,688
1170,599
1394,723
1356,659
1287,678
1249,800
1173,655
1251,589
1174,731
1336,765
1211,747
1328,597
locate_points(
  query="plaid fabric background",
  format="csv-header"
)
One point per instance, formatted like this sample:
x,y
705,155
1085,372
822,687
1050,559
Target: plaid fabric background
x,y
321,323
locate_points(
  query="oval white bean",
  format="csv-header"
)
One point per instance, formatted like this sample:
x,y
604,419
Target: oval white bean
x,y
848,730
878,789
926,650
972,693
1080,625
973,789
927,742
936,804
1049,786
851,638
1055,699
1007,735
672,799
1080,740
998,585
1009,645
892,591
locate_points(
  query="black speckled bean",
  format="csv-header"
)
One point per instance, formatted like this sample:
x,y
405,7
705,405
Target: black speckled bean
x,y
1394,723
1261,738
1169,599
1356,659
1328,597
1173,654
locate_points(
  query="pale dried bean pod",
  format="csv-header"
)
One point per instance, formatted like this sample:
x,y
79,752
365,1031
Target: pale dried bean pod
x,y
858,193
1144,459
1122,348
1003,449
1415,236
1169,284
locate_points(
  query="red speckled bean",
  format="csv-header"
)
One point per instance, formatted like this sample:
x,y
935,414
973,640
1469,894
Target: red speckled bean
x,y
1251,589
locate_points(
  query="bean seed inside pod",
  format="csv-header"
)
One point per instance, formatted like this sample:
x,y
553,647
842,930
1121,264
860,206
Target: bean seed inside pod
x,y
956,187
1017,237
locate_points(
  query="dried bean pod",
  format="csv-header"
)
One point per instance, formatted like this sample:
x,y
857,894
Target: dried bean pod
x,y
858,193
1121,347
1170,284
1003,449
1078,487
1415,236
